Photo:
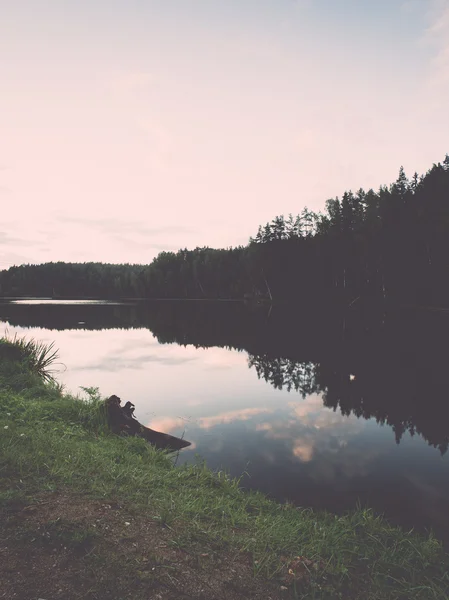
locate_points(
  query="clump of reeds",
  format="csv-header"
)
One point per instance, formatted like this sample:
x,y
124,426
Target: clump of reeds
x,y
40,357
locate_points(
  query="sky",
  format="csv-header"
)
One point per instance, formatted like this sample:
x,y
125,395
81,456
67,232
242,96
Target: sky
x,y
130,127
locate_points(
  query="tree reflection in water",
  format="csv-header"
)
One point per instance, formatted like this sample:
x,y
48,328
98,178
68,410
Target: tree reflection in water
x,y
390,366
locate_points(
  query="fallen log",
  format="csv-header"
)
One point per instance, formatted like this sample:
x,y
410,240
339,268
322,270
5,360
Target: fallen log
x,y
121,420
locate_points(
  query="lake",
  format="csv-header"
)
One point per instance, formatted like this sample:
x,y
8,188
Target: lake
x,y
320,409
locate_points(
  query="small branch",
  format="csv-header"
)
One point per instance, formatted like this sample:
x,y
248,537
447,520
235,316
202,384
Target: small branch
x,y
354,301
268,287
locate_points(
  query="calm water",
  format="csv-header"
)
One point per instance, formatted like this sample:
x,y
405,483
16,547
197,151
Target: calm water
x,y
313,409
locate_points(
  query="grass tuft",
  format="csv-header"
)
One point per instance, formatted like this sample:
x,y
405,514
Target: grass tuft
x,y
39,357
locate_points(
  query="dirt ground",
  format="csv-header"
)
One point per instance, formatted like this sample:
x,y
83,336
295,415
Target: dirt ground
x,y
66,547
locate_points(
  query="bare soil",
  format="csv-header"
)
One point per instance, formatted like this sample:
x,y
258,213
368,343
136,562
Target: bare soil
x,y
66,546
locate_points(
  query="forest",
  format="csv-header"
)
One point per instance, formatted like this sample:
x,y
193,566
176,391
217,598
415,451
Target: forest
x,y
390,244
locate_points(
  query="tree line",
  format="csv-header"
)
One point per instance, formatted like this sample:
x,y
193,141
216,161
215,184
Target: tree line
x,y
392,243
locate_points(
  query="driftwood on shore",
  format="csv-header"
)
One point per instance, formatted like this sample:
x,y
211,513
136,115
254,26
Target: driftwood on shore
x,y
122,420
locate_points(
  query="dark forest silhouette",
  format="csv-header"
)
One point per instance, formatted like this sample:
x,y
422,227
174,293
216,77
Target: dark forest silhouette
x,y
390,244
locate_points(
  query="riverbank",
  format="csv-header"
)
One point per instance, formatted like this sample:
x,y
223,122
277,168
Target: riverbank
x,y
89,514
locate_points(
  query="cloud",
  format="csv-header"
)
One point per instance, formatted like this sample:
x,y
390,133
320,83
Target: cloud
x,y
24,237
126,241
147,339
220,358
303,451
437,35
112,226
167,424
11,258
113,363
22,244
7,240
105,240
170,424
263,427
306,409
130,234
309,429
235,415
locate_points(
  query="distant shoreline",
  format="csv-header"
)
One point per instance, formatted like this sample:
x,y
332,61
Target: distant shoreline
x,y
119,299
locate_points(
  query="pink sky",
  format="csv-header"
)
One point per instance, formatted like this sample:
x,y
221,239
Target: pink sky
x,y
129,127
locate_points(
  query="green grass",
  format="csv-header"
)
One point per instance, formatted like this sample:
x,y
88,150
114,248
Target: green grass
x,y
50,440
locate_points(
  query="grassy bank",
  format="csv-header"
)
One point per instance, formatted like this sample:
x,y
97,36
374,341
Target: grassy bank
x,y
132,525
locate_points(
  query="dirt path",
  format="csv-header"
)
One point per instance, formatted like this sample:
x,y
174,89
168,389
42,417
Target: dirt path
x,y
68,547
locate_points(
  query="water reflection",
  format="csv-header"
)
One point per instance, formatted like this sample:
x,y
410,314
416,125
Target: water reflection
x,y
353,411
395,373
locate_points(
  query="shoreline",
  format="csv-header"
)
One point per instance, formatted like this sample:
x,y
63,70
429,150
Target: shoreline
x,y
61,464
